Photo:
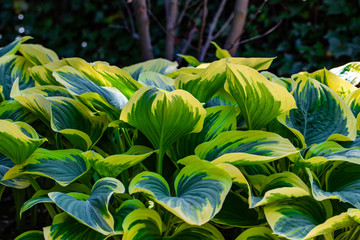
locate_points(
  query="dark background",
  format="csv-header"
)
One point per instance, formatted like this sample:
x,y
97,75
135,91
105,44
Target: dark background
x,y
312,34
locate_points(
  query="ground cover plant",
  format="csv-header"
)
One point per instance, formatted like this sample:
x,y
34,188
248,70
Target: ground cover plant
x,y
220,150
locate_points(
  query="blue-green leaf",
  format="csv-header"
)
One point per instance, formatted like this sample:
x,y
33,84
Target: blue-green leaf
x,y
322,114
245,148
64,166
200,191
93,211
13,47
66,227
158,80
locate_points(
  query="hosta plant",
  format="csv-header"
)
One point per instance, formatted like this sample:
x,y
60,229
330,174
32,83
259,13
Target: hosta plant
x,y
223,150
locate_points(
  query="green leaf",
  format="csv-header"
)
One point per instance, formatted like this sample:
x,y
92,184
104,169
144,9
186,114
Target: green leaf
x,y
221,53
342,182
203,232
221,98
339,85
38,54
42,74
15,144
218,119
119,79
38,105
93,211
158,80
64,166
66,227
287,83
141,224
163,117
204,84
303,218
125,209
333,151
31,235
13,110
349,71
146,224
276,187
78,84
158,65
259,100
5,165
258,233
321,115
245,148
32,202
236,212
75,121
11,68
200,191
13,47
192,61
255,63
113,165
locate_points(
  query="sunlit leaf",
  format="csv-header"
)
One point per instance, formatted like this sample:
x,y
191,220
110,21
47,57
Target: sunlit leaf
x,y
13,47
349,71
15,144
258,233
259,100
159,65
38,54
200,191
158,80
245,148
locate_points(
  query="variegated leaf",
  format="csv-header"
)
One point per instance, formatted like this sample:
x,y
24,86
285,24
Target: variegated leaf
x,y
78,84
259,100
200,191
321,115
342,182
66,227
163,117
38,54
31,235
13,47
304,218
92,210
336,83
75,121
349,71
113,165
218,119
159,65
64,166
13,110
245,148
258,233
158,80
11,68
15,144
276,187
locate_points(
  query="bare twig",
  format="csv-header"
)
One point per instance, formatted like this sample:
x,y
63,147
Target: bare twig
x,y
187,44
258,11
211,30
261,35
182,14
130,17
202,28
156,21
223,27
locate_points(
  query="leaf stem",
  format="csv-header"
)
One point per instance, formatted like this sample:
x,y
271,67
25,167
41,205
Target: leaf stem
x,y
36,186
159,161
127,137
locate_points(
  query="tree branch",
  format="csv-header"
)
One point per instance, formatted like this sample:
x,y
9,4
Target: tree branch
x,y
171,17
261,35
237,26
211,30
142,21
202,28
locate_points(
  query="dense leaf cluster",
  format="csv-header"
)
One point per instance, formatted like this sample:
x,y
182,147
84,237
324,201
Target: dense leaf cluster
x,y
153,151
